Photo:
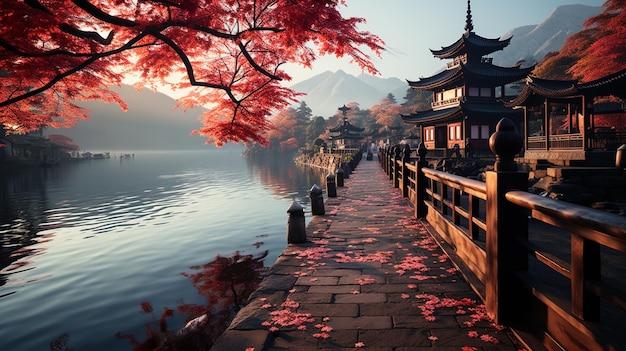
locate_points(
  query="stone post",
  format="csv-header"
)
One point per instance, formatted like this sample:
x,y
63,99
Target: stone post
x,y
506,223
296,225
331,187
340,173
317,200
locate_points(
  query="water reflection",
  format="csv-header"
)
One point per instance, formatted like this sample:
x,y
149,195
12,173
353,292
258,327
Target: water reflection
x,y
280,174
86,243
23,203
225,283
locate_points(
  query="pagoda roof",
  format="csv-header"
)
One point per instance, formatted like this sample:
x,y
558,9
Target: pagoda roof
x,y
345,135
346,126
473,44
536,89
480,74
469,109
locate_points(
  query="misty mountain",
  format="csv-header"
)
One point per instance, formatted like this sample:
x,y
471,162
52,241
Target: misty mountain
x,y
151,123
328,91
531,43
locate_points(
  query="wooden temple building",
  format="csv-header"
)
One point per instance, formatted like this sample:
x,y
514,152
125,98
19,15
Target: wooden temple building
x,y
467,96
569,123
345,134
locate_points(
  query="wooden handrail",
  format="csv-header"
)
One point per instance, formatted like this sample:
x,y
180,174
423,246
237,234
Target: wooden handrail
x,y
498,257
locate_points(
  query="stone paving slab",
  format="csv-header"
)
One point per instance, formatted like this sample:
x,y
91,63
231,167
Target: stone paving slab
x,y
370,277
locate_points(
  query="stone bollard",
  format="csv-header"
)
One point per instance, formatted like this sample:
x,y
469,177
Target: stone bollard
x,y
331,188
296,226
340,176
317,200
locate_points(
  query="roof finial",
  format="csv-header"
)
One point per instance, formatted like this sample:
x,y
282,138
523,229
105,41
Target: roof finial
x,y
469,27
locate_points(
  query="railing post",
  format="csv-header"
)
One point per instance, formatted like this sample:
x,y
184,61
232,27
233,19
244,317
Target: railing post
x,y
420,183
506,224
396,168
392,151
406,158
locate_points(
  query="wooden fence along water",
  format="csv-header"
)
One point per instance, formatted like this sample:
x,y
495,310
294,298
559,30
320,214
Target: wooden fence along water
x,y
564,303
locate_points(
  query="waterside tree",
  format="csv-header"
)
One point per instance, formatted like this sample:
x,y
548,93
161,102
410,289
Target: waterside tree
x,y
228,55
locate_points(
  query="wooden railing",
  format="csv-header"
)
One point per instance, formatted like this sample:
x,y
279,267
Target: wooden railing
x,y
565,301
596,141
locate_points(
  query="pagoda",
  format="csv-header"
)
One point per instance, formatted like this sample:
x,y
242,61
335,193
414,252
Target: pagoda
x,y
345,134
466,96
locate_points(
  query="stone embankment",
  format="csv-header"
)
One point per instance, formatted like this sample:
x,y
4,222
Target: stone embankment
x,y
327,162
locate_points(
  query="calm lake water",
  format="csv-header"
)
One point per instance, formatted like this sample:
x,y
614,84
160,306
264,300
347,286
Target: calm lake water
x,y
84,244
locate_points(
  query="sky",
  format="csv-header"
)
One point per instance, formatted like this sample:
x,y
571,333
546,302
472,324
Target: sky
x,y
411,27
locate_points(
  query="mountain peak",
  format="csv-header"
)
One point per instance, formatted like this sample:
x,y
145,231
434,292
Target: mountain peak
x,y
328,90
532,42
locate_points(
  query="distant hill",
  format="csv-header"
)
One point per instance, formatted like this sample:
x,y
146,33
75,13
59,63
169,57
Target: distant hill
x,y
151,123
328,91
531,43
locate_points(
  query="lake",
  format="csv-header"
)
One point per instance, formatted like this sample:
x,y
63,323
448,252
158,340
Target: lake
x,y
85,244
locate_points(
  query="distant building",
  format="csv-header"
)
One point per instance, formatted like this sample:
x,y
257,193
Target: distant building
x,y
568,123
466,96
346,135
28,149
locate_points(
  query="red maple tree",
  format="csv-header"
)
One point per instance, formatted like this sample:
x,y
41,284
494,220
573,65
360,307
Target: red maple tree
x,y
594,52
607,54
56,53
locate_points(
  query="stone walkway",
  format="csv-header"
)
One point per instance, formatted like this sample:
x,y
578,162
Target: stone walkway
x,y
370,278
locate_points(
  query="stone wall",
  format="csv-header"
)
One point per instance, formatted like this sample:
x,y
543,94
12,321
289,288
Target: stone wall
x,y
327,162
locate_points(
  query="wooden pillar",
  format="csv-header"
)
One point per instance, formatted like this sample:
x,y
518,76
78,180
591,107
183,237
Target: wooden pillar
x,y
506,224
406,158
420,183
586,262
397,156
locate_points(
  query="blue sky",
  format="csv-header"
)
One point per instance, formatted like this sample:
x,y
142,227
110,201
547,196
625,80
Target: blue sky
x,y
411,27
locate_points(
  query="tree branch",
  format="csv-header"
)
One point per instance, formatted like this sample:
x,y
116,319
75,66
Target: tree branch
x,y
189,67
260,69
71,71
101,15
87,35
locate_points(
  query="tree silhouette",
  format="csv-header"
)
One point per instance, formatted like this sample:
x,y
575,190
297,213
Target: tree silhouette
x,y
56,53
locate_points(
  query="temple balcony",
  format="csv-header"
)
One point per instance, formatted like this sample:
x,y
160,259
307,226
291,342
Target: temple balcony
x,y
442,104
457,61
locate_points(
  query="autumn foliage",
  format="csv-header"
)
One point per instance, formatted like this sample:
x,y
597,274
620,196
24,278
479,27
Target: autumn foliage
x,y
596,51
56,53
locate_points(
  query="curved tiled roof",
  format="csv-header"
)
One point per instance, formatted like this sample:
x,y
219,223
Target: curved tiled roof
x,y
479,74
537,88
464,109
612,84
430,116
472,43
433,82
346,126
